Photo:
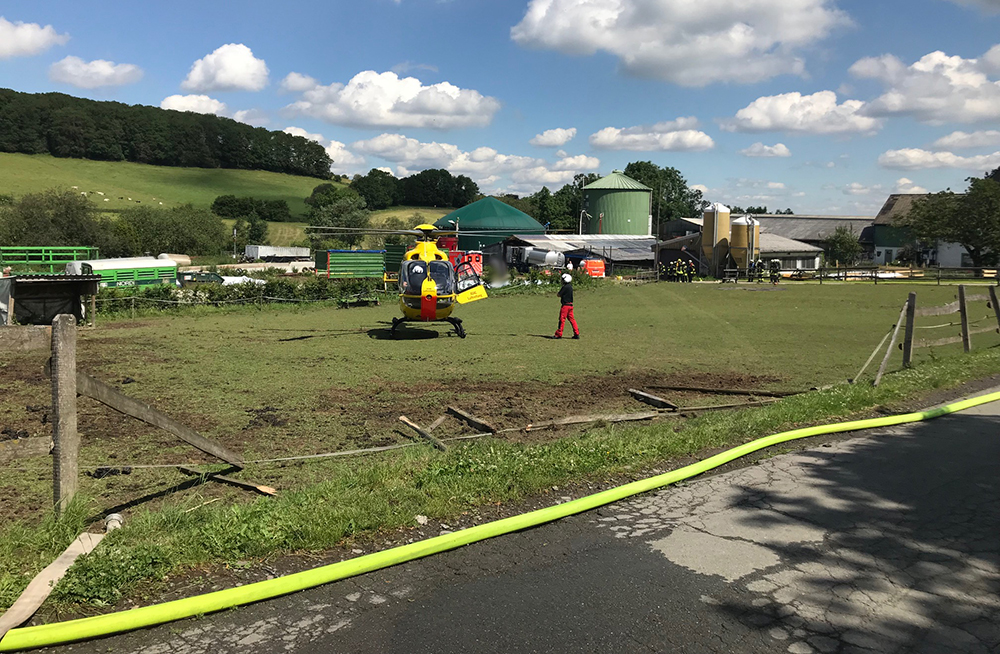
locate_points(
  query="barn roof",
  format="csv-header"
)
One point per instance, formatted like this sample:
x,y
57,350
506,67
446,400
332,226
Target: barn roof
x,y
813,228
896,206
612,247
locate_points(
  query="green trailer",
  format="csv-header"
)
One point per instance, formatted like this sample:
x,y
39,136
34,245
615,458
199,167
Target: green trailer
x,y
50,259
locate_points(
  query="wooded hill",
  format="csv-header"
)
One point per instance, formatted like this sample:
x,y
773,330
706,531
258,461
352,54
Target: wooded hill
x,y
66,126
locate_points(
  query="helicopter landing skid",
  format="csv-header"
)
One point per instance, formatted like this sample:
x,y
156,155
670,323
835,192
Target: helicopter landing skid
x,y
454,322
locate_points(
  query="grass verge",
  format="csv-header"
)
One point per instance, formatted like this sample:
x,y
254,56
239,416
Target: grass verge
x,y
385,492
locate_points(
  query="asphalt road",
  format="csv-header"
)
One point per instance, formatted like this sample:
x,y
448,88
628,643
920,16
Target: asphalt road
x,y
889,542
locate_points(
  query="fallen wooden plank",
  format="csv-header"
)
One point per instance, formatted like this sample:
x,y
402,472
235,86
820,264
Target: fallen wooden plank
x,y
652,400
983,330
105,394
871,358
892,342
22,448
939,342
943,310
41,586
213,476
472,420
21,338
437,423
603,417
423,434
725,391
719,407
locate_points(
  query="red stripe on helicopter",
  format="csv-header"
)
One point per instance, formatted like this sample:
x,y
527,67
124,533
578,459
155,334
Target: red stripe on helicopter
x,y
428,307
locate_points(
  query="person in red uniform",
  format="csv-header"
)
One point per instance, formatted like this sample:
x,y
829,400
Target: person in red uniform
x,y
566,311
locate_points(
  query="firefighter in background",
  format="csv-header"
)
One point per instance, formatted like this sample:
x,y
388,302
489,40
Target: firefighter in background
x,y
690,271
775,270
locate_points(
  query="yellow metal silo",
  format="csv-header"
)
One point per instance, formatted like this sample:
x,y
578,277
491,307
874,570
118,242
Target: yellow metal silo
x,y
744,243
715,238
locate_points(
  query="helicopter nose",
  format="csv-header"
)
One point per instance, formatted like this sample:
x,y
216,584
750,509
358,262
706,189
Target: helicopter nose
x,y
428,307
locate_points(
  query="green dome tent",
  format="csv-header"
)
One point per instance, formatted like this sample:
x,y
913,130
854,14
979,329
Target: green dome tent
x,y
488,215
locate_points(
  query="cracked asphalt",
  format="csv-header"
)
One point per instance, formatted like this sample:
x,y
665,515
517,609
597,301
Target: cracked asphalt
x,y
889,542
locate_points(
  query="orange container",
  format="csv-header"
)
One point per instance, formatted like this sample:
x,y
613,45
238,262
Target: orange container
x,y
593,267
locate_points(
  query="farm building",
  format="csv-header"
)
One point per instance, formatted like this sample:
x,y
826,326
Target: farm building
x,y
488,215
794,255
890,239
814,230
617,204
615,249
37,299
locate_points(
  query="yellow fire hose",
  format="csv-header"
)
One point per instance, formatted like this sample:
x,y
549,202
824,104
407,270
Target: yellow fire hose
x,y
147,616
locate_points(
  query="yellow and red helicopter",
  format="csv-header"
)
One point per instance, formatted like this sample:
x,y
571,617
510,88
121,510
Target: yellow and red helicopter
x,y
429,286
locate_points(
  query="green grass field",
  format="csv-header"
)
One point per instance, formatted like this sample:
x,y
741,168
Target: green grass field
x,y
150,185
283,381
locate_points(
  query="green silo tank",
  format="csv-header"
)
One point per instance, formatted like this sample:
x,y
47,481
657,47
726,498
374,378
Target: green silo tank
x,y
617,204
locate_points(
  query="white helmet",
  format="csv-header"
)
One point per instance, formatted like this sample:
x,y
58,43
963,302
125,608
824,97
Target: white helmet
x,y
567,278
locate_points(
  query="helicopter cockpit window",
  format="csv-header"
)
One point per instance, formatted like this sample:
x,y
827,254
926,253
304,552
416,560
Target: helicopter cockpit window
x,y
444,276
411,277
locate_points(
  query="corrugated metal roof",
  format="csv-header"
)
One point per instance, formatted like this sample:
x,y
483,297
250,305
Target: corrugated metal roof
x,y
773,243
617,180
43,278
896,206
813,228
608,246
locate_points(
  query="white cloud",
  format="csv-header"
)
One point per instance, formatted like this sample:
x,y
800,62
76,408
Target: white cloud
x,y
297,82
231,67
904,185
93,74
554,138
962,140
577,163
484,164
760,150
668,136
199,104
856,188
373,99
935,89
700,187
743,182
345,162
407,66
688,43
917,159
254,117
818,113
25,39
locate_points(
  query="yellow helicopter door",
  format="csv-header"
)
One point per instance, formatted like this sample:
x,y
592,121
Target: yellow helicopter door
x,y
470,287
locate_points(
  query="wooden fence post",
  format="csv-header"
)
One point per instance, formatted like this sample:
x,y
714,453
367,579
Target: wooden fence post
x,y
993,303
65,439
911,309
963,310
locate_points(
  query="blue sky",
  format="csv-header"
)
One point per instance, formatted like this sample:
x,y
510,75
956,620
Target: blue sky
x,y
824,106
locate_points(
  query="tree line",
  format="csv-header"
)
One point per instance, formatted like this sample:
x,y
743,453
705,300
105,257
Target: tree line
x,y
65,218
66,126
971,219
671,197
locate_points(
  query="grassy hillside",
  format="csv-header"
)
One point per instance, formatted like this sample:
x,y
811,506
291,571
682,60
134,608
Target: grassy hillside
x,y
22,173
284,234
428,214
